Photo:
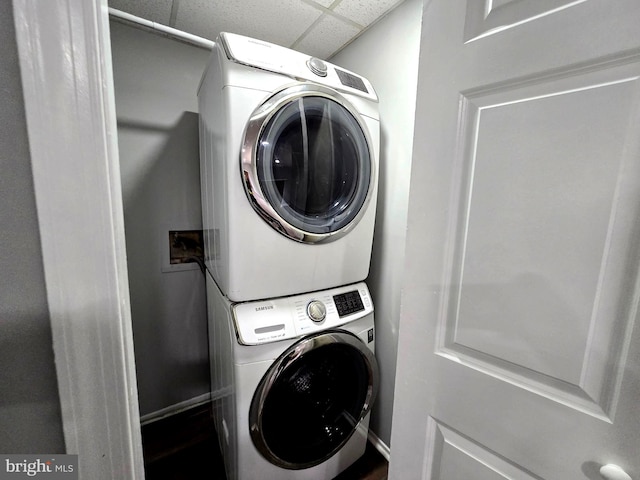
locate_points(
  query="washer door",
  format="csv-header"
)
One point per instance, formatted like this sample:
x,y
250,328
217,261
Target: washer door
x,y
307,163
310,401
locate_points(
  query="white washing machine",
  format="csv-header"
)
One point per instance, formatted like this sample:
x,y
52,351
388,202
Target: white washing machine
x,y
289,149
293,381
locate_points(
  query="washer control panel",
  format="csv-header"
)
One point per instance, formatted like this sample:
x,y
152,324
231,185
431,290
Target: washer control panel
x,y
290,317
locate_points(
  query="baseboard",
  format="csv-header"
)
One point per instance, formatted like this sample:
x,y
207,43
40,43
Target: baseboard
x,y
174,409
379,445
173,434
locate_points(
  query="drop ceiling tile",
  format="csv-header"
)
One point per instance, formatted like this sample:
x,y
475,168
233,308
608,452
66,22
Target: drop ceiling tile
x,y
326,36
364,12
154,10
324,3
276,21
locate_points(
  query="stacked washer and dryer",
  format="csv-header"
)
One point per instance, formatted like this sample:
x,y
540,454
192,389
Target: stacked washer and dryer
x,y
289,150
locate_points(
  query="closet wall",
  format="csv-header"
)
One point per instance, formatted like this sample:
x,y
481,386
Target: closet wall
x,y
156,80
30,417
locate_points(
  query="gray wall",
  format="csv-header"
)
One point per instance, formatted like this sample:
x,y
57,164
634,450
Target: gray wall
x,y
30,419
387,54
156,80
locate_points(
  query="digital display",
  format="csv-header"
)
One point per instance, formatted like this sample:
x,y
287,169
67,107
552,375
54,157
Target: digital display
x,y
348,303
351,80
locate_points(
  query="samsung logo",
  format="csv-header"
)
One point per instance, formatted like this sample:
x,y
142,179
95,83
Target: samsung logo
x,y
264,307
258,42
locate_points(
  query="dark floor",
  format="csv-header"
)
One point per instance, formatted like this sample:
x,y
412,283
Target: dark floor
x,y
184,445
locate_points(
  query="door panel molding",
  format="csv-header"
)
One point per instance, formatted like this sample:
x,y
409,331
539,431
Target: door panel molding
x,y
451,454
593,262
494,16
490,395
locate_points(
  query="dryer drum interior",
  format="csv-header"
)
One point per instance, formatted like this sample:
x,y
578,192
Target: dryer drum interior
x,y
310,401
308,162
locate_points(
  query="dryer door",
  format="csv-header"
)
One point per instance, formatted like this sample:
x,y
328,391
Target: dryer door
x,y
307,163
310,401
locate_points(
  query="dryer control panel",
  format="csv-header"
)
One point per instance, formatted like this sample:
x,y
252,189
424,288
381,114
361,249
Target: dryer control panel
x,y
290,317
274,58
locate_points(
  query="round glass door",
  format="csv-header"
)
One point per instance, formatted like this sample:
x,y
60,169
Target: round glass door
x,y
310,401
307,163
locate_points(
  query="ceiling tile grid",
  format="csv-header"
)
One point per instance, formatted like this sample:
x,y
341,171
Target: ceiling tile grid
x,y
316,27
364,12
277,21
326,36
323,3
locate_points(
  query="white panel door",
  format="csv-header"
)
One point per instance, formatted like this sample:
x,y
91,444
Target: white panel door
x,y
518,356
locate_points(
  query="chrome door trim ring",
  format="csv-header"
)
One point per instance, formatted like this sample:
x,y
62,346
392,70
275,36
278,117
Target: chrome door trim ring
x,y
290,356
249,171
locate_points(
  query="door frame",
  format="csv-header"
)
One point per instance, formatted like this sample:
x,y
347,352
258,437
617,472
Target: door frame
x,y
65,61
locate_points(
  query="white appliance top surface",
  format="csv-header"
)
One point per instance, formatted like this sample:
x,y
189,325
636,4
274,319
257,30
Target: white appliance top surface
x,y
277,319
274,58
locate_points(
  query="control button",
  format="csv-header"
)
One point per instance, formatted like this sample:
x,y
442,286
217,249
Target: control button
x,y
348,303
316,311
317,66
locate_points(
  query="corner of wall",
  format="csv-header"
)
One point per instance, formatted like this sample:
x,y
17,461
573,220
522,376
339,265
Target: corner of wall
x,y
394,42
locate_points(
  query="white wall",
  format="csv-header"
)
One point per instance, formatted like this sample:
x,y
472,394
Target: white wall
x,y
156,80
30,418
387,54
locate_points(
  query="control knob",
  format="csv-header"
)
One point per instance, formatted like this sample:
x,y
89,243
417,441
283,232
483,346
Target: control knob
x,y
317,66
316,311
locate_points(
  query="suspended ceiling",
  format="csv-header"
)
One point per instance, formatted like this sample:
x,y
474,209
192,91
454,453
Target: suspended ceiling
x,y
316,27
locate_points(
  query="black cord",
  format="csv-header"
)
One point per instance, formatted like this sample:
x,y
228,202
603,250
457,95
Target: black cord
x,y
200,263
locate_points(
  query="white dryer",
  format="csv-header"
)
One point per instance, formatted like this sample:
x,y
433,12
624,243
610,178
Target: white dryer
x,y
293,381
289,150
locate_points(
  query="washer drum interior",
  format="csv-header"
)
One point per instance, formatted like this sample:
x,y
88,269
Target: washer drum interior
x,y
312,398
